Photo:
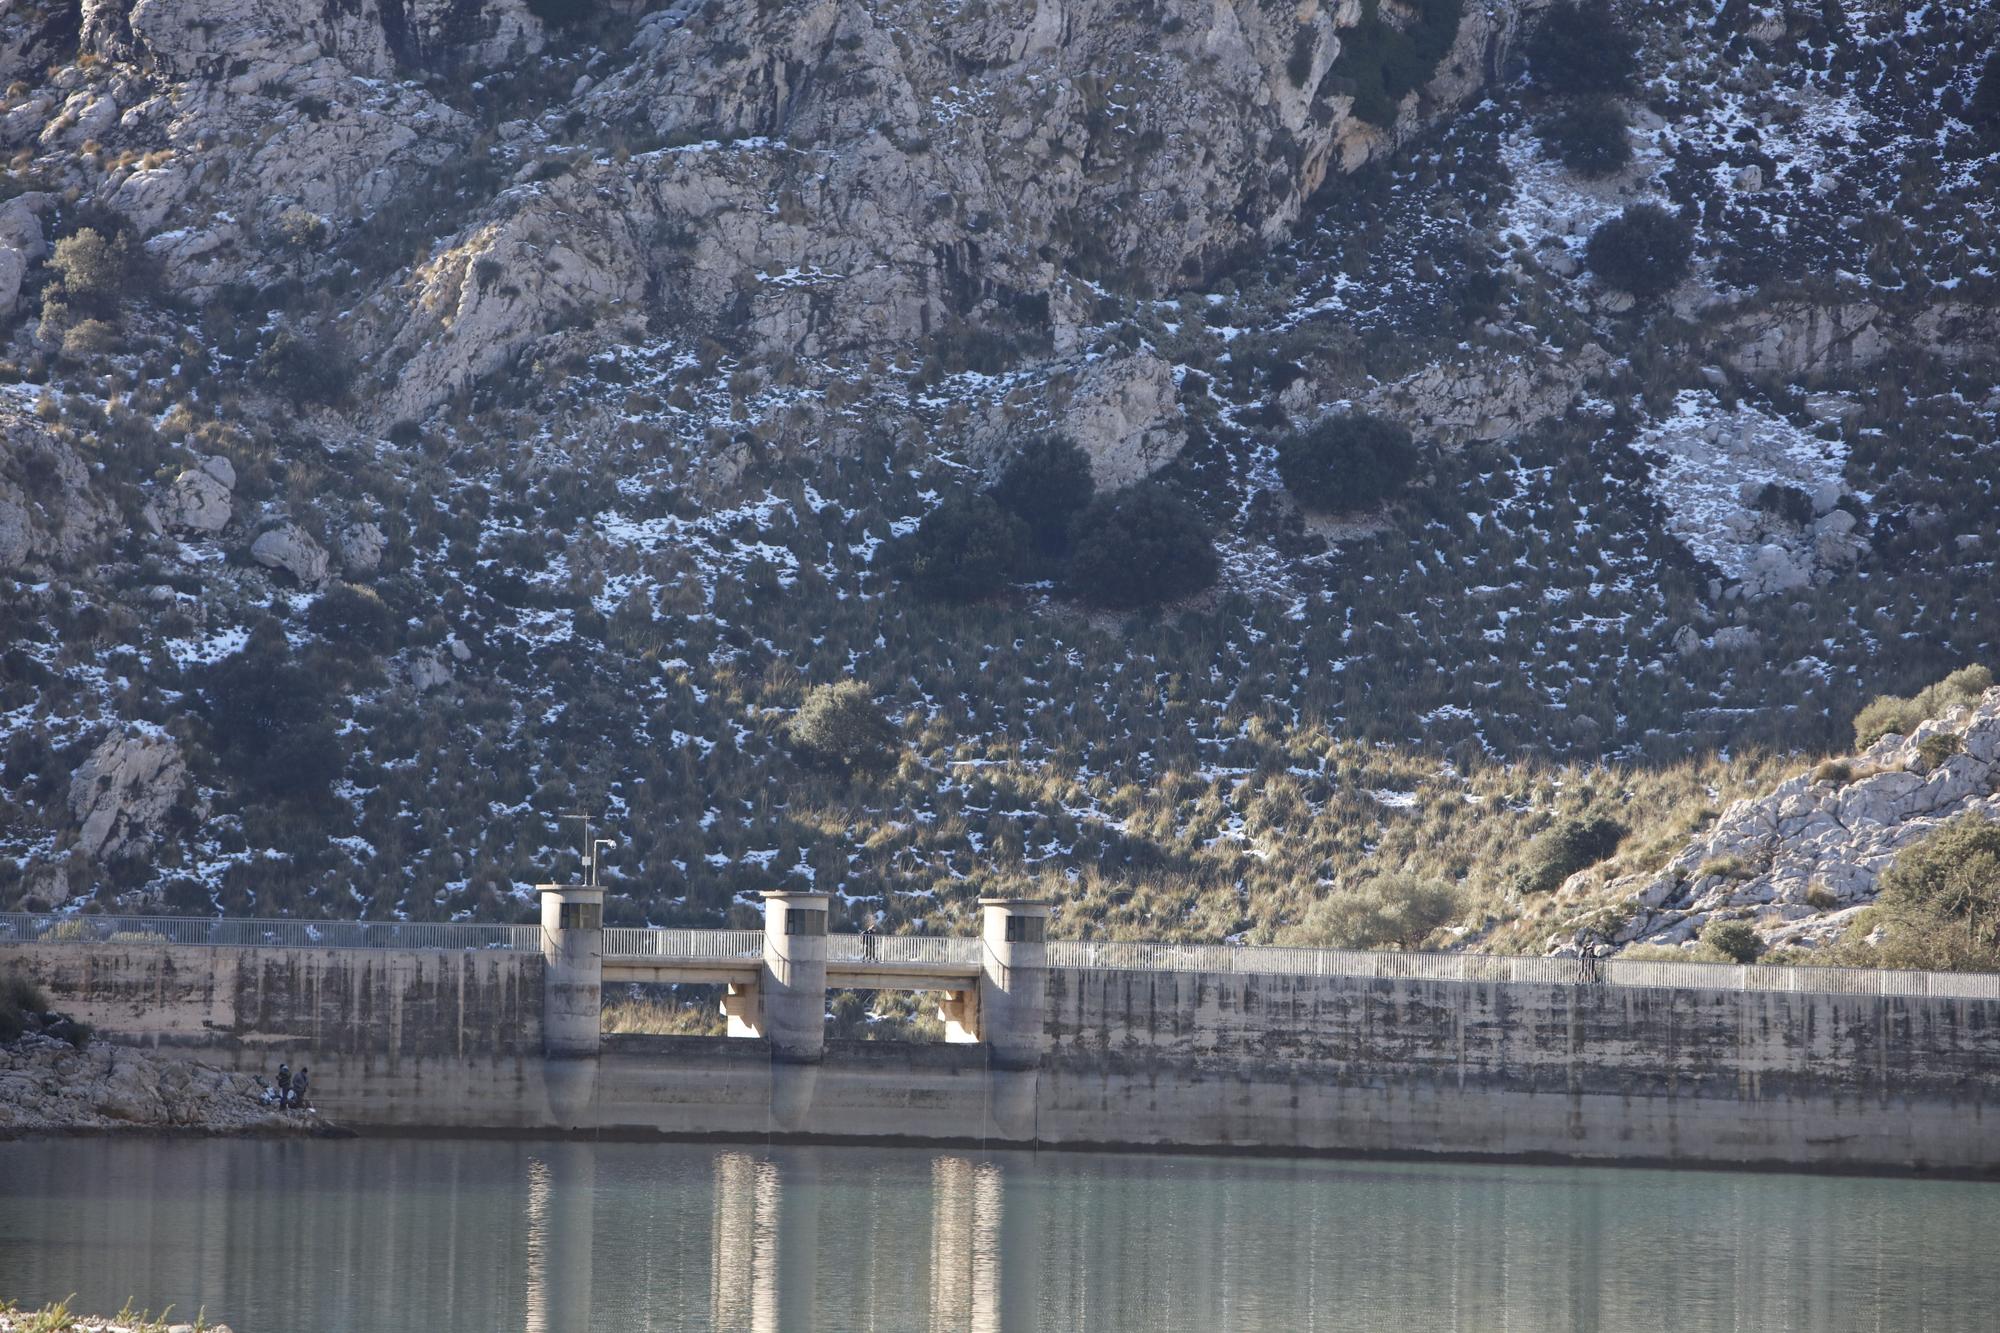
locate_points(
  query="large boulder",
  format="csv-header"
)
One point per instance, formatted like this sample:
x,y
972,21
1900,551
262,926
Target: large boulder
x,y
361,548
294,550
121,795
50,513
200,498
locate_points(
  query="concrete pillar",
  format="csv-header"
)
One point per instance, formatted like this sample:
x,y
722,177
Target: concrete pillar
x,y
573,975
1014,981
794,980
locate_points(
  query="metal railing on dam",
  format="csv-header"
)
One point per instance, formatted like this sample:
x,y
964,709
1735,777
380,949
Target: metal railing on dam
x,y
690,945
256,933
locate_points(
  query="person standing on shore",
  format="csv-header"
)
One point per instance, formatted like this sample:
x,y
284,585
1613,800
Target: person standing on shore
x,y
299,1089
284,1085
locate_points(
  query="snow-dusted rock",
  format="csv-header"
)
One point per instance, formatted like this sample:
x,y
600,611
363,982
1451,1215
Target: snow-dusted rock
x,y
292,549
1493,396
428,671
1125,415
1713,463
50,515
362,546
121,794
200,498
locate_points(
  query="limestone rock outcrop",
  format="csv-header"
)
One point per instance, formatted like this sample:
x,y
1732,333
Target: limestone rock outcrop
x,y
50,513
361,548
1491,397
1123,412
48,1086
834,178
200,498
1799,861
1802,339
294,550
121,795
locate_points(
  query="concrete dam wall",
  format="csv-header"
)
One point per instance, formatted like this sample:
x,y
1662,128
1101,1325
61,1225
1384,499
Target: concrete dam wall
x,y
457,1039
1521,1069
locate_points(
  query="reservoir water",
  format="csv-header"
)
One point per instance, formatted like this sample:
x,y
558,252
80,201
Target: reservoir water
x,y
393,1234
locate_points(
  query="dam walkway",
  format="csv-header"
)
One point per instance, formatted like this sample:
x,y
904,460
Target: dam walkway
x,y
923,962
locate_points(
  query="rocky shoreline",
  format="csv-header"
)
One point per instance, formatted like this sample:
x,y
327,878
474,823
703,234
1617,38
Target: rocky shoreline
x,y
48,1086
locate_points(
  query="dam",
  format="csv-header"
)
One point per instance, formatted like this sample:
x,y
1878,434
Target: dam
x,y
1053,1043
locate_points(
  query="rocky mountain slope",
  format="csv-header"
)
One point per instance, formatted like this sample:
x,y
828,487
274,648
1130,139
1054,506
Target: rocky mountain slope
x,y
468,411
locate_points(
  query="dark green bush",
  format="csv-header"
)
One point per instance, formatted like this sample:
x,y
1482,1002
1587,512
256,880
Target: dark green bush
x,y
1645,251
839,727
19,997
1983,109
316,370
1735,940
966,548
353,620
1565,847
1589,137
1347,462
1939,746
1046,484
271,721
562,13
1139,546
1787,502
1578,47
1381,62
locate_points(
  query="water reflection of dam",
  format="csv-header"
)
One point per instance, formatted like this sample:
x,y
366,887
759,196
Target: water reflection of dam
x,y
789,1223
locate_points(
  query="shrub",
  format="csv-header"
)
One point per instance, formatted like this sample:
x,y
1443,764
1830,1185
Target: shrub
x,y
1888,714
562,13
1939,746
1398,910
316,371
92,269
1786,502
1735,940
19,997
966,548
1836,771
1565,847
1578,47
1983,110
1885,715
270,720
352,619
1724,867
1590,137
1046,484
89,337
839,727
302,230
1940,899
1139,546
1645,250
1381,62
1346,462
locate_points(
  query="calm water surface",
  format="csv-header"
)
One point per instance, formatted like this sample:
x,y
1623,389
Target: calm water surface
x,y
550,1237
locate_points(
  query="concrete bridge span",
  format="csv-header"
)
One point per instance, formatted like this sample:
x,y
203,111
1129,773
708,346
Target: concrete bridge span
x,y
471,1029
